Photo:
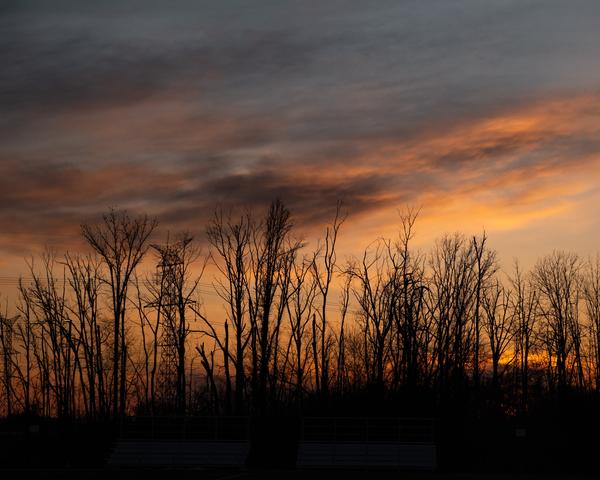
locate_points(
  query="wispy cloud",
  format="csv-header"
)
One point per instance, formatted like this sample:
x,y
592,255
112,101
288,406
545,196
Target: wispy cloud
x,y
455,106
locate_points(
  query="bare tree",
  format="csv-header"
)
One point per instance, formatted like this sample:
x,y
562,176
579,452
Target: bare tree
x,y
557,279
91,336
27,338
375,291
591,297
150,342
340,370
84,278
409,309
121,242
324,265
231,243
485,267
58,357
498,325
525,309
7,327
300,310
270,251
451,300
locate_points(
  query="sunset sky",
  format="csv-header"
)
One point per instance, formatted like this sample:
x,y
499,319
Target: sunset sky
x,y
484,114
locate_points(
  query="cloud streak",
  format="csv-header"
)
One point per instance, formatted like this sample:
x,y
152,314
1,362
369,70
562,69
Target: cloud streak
x,y
457,107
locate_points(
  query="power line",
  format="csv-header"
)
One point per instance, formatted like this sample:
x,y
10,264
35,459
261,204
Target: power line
x,y
206,288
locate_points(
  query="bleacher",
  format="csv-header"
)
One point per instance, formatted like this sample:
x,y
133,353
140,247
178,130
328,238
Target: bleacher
x,y
193,441
322,442
144,452
405,443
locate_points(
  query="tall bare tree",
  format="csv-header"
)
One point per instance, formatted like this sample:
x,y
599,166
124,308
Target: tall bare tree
x,y
324,266
271,251
121,241
84,279
525,309
7,328
557,279
485,267
230,241
300,311
498,324
591,296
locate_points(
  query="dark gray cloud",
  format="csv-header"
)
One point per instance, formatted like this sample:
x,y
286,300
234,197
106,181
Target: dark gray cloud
x,y
176,106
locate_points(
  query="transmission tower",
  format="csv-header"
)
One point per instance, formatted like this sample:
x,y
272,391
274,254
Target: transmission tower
x,y
170,279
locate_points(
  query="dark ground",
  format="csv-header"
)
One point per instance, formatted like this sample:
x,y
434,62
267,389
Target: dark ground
x,y
555,447
251,474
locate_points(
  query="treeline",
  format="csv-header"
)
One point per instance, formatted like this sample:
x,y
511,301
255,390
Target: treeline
x,y
90,335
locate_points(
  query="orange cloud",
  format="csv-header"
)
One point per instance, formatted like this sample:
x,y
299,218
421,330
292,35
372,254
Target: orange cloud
x,y
505,171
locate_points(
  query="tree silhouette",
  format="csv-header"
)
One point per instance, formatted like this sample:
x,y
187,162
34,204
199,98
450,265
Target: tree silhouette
x,y
121,242
91,336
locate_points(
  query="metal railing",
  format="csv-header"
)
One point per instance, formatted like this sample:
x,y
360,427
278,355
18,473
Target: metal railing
x,y
186,428
368,429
